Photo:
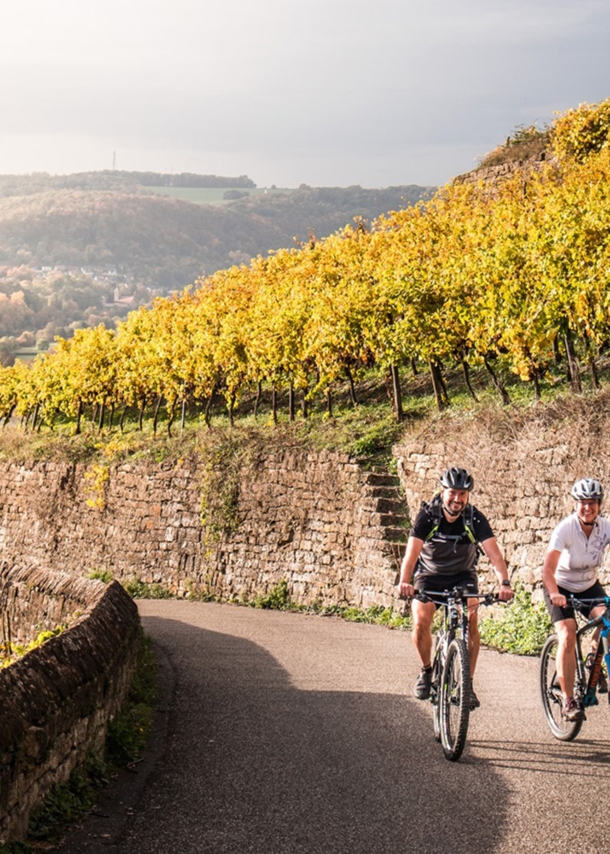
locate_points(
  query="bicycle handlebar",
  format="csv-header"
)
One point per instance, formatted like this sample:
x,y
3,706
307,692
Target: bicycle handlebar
x,y
600,600
443,597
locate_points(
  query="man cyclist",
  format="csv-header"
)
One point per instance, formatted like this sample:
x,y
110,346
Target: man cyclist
x,y
442,553
571,565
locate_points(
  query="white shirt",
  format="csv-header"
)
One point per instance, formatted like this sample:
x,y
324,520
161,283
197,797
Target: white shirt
x,y
581,556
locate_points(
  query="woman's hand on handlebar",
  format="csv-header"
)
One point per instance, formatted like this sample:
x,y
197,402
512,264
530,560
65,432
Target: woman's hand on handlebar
x,y
405,590
558,599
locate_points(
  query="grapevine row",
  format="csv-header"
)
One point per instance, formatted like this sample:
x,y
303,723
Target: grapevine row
x,y
518,269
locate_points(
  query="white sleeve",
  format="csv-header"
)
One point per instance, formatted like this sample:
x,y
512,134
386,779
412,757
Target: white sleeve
x,y
559,539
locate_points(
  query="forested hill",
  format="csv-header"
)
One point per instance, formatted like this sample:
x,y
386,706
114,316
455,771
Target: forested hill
x,y
116,220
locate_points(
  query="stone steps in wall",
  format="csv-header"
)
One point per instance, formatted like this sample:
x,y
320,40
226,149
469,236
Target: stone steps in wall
x,y
395,534
387,501
374,478
391,504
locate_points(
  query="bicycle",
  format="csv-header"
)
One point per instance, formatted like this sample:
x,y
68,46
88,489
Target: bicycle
x,y
585,686
451,685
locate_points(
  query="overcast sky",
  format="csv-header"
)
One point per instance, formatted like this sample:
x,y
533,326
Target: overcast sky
x,y
322,92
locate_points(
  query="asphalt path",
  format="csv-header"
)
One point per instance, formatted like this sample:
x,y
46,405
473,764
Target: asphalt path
x,y
293,734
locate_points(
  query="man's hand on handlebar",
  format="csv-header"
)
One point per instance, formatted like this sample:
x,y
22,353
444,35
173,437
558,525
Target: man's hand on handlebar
x,y
405,590
505,594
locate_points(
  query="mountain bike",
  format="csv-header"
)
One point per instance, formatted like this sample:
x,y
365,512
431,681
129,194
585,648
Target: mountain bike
x,y
587,678
451,685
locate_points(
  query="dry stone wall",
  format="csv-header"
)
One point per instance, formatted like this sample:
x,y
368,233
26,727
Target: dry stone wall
x,y
57,700
332,531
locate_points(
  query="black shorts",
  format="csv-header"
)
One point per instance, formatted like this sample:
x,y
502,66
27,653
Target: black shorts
x,y
440,583
596,591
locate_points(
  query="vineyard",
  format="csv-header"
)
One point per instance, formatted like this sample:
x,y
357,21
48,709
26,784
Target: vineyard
x,y
512,276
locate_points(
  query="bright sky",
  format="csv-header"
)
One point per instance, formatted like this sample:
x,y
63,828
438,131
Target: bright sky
x,y
323,92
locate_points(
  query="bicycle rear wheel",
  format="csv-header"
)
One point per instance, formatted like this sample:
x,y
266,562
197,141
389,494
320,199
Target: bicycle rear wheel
x,y
552,696
455,700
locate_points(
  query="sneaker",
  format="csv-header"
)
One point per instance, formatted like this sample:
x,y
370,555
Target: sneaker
x,y
602,682
474,700
423,685
571,710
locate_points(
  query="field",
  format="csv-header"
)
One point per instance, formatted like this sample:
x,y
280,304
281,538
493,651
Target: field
x,y
210,195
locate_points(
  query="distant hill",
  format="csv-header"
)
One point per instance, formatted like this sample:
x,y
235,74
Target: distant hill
x,y
78,250
130,182
110,218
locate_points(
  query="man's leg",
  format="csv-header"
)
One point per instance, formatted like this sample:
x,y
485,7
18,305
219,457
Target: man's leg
x,y
423,613
474,644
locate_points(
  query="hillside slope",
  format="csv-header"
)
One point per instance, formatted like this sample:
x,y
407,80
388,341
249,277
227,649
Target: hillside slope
x,y
167,244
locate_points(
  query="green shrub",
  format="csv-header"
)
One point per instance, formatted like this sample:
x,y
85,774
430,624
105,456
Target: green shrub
x,y
101,575
373,615
138,589
277,599
520,628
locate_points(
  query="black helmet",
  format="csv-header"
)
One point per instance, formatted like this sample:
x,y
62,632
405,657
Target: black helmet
x,y
457,478
588,489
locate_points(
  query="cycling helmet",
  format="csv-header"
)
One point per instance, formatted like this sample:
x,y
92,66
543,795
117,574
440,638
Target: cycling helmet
x,y
457,478
587,488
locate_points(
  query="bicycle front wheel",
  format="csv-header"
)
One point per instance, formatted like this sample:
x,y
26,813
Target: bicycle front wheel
x,y
552,696
455,700
437,672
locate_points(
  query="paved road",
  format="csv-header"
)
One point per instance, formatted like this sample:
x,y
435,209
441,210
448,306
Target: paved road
x,y
295,734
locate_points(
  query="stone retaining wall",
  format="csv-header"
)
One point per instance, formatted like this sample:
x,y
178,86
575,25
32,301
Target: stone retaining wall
x,y
317,520
57,700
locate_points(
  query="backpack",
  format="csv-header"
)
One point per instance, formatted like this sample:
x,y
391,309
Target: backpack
x,y
436,506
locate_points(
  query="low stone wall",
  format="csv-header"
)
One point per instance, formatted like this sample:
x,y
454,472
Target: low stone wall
x,y
333,531
57,700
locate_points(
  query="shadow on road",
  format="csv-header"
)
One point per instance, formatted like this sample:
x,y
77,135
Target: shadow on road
x,y
582,758
253,764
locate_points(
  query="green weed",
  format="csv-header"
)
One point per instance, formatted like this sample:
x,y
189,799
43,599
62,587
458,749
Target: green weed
x,y
138,589
277,599
11,651
373,615
520,628
128,731
68,802
101,575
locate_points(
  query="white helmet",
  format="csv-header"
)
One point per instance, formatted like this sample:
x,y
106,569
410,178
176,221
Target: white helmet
x,y
588,489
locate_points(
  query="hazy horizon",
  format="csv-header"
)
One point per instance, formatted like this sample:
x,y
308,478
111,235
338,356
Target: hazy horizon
x,y
336,93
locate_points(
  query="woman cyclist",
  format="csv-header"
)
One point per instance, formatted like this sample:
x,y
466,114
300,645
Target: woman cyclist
x,y
574,555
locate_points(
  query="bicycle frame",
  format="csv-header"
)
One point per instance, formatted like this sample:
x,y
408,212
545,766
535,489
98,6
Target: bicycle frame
x,y
586,683
451,684
602,650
